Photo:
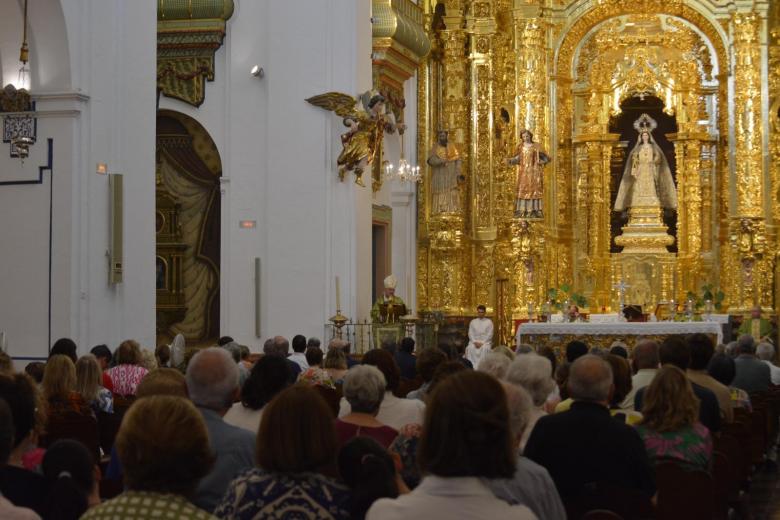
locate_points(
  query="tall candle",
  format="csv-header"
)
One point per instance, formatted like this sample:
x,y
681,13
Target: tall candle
x,y
338,295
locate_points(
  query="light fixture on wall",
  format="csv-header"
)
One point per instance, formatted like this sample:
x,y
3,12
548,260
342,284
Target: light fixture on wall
x,y
257,71
404,172
19,129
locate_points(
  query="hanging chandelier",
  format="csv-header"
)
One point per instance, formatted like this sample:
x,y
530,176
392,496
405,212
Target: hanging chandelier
x,y
404,172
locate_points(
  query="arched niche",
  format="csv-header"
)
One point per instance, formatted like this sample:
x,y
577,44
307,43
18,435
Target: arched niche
x,y
188,201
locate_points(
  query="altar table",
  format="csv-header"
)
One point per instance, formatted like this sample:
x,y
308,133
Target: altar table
x,y
557,335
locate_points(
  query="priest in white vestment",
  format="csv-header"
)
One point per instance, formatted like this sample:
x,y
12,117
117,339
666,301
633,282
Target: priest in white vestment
x,y
480,337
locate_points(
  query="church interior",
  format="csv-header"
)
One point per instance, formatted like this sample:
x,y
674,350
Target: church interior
x,y
472,174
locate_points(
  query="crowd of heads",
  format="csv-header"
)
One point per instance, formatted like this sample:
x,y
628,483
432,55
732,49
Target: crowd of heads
x,y
473,423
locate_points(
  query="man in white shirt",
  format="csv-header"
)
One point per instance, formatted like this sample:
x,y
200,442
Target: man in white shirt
x,y
480,337
299,352
766,353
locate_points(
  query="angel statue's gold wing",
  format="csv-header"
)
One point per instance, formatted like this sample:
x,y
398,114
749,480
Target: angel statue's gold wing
x,y
342,104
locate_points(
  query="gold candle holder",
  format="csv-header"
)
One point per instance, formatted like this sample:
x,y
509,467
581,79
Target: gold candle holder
x,y
339,320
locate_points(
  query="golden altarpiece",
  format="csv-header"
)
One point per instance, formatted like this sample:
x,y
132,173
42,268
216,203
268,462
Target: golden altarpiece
x,y
567,71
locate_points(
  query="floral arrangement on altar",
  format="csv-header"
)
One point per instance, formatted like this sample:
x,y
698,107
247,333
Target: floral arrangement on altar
x,y
709,293
558,296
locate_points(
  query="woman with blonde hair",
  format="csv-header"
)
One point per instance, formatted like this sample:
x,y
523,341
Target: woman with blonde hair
x,y
670,427
128,372
88,384
59,387
335,365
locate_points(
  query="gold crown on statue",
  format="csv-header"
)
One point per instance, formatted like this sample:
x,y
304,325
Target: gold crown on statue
x,y
645,123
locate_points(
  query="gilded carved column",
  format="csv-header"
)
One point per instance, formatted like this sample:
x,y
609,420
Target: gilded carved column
x,y
689,207
729,268
531,69
563,181
747,115
448,266
748,226
531,104
594,153
774,138
425,120
481,27
688,148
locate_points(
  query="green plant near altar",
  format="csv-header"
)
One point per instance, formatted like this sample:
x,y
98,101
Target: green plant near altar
x,y
708,292
558,295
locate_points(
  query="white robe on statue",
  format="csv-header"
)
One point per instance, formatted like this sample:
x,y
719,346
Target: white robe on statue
x,y
480,329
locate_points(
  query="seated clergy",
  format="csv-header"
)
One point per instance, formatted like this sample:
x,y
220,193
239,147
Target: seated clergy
x,y
586,445
480,337
756,326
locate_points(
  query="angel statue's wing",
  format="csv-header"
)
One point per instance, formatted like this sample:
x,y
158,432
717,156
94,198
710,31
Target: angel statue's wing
x,y
342,104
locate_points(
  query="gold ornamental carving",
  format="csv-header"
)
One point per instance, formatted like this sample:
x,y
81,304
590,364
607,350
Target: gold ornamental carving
x,y
564,71
188,36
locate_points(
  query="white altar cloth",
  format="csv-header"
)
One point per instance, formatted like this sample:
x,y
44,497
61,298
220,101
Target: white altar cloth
x,y
620,329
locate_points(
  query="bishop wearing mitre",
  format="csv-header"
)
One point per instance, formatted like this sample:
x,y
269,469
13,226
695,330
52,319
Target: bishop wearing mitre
x,y
480,337
388,307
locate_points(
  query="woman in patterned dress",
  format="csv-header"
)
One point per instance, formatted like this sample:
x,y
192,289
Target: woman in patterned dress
x,y
669,427
296,453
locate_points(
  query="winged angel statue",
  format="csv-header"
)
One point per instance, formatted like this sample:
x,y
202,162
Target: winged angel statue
x,y
367,122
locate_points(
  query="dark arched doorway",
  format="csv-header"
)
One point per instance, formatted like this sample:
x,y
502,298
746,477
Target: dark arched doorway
x,y
187,174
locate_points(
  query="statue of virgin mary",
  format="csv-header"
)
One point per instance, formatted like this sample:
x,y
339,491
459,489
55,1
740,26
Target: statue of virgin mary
x,y
647,180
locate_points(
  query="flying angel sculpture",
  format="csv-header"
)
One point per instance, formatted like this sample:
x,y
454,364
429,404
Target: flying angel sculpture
x,y
367,121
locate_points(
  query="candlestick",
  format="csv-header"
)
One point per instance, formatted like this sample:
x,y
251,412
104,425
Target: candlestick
x,y
338,294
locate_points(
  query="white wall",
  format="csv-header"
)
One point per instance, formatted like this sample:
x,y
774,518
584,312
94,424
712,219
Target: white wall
x,y
279,165
93,75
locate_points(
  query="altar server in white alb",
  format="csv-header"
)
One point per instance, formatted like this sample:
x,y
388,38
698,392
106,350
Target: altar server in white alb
x,y
480,337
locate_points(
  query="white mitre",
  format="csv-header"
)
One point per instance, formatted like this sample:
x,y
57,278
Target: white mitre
x,y
390,282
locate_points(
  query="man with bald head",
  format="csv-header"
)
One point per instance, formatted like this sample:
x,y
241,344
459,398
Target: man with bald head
x,y
212,383
584,446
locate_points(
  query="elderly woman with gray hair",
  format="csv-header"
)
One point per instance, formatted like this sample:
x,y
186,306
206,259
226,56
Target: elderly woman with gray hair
x,y
364,390
533,373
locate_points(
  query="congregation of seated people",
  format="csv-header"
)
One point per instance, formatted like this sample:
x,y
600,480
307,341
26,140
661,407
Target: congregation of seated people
x,y
311,430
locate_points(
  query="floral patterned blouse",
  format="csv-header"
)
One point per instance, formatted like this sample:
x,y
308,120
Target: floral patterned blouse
x,y
316,376
405,445
691,445
258,494
104,402
125,378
